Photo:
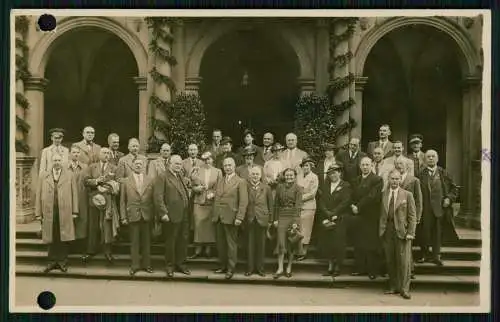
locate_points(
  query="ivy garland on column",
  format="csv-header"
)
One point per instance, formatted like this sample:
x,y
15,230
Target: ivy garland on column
x,y
185,117
22,73
316,115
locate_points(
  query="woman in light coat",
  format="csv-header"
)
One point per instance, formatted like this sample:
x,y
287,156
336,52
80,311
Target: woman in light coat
x,y
309,182
204,182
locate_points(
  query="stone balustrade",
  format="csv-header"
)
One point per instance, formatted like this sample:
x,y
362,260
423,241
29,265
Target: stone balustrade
x,y
25,189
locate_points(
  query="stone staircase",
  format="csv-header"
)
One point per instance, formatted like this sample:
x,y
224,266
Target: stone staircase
x,y
461,266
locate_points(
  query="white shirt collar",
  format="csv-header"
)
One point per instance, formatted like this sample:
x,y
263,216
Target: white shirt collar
x,y
334,185
364,176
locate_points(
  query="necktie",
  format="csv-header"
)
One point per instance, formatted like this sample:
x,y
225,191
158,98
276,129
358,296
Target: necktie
x,y
391,206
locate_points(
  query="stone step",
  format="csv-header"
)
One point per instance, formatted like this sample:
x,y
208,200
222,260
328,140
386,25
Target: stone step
x,y
301,279
447,253
450,267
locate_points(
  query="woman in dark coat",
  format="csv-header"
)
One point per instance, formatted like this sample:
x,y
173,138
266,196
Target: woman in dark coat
x,y
287,207
333,211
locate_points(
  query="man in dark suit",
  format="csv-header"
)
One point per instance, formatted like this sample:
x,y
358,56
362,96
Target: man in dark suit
x,y
383,142
268,141
248,139
230,206
258,218
415,154
438,193
172,205
350,159
136,211
114,145
334,210
227,147
398,220
365,207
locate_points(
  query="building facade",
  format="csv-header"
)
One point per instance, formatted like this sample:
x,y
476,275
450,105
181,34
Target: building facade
x,y
418,74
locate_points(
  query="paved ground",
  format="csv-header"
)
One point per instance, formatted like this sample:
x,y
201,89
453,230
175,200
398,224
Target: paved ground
x,y
77,292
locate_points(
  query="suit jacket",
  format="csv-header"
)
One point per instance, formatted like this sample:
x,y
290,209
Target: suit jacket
x,y
258,159
243,172
215,151
201,187
231,200
390,163
432,199
82,220
294,159
171,197
187,166
335,203
418,162
157,167
405,214
412,184
88,156
266,154
388,149
260,204
125,165
351,165
136,204
366,196
115,156
94,171
46,157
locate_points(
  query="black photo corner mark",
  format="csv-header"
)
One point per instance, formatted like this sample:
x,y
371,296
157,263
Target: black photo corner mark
x,y
46,22
46,300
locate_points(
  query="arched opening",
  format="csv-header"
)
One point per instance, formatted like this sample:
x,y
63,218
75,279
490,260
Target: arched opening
x,y
90,73
414,85
249,79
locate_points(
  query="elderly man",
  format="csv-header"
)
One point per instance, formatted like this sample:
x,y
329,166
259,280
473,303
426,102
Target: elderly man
x,y
125,165
227,146
114,145
292,156
380,166
191,162
89,150
351,158
268,141
171,199
136,211
78,169
103,215
216,147
383,142
230,206
57,205
248,139
158,166
416,154
249,154
398,154
438,194
398,220
56,135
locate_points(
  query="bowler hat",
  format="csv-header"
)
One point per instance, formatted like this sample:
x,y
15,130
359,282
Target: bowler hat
x,y
277,147
99,201
226,139
249,150
307,160
56,130
416,138
337,166
329,146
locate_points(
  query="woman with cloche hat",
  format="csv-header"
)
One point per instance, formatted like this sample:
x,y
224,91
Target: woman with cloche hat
x,y
204,182
308,180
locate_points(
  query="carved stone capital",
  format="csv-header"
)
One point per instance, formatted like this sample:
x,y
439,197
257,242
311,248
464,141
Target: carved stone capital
x,y
470,82
141,82
192,84
36,84
306,84
360,83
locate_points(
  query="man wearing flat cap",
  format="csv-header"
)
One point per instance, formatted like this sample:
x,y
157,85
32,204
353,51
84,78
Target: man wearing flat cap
x,y
56,135
415,154
248,138
227,147
248,154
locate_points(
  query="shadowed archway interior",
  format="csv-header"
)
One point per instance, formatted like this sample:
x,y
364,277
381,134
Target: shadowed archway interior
x,y
414,85
90,73
249,79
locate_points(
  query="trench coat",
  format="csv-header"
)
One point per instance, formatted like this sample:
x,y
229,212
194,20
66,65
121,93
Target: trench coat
x,y
67,194
82,221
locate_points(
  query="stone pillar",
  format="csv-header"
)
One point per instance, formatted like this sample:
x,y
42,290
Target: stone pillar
x,y
357,110
192,85
340,72
25,190
144,112
471,164
306,86
322,55
20,110
34,91
178,51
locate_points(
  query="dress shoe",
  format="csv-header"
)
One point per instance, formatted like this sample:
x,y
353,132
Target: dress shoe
x,y
133,271
195,255
412,276
278,275
357,274
248,273
328,273
405,295
229,275
391,292
372,277
50,267
301,258
420,260
261,273
336,272
86,258
109,259
438,262
220,271
288,274
170,273
149,270
183,270
63,267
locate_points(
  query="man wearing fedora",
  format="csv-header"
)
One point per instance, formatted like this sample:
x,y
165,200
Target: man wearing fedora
x,y
248,139
57,206
103,215
384,143
89,150
248,154
125,165
136,211
416,154
56,135
351,158
227,147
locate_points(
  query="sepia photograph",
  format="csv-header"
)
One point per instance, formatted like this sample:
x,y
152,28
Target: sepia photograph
x,y
250,161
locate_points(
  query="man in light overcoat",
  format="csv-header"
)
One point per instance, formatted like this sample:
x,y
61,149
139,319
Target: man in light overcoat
x,y
89,150
56,135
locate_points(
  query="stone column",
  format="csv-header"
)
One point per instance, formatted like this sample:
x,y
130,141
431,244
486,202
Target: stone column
x,y
25,190
144,111
322,55
20,110
34,91
357,110
306,85
471,164
178,51
192,85
340,72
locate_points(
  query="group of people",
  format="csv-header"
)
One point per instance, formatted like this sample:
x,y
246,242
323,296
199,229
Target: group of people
x,y
380,201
